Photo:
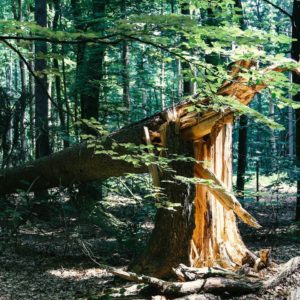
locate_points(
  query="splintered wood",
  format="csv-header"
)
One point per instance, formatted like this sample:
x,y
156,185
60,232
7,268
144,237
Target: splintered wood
x,y
216,240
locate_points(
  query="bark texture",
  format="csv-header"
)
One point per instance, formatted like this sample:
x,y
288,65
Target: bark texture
x,y
41,98
242,156
169,243
296,79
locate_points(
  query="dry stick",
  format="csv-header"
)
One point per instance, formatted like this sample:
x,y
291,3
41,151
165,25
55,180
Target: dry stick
x,y
212,285
292,266
208,285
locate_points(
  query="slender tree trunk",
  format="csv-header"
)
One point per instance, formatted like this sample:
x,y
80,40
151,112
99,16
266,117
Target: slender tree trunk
x,y
243,130
41,99
126,79
5,124
291,132
31,112
296,79
66,96
90,73
125,70
42,120
290,125
242,156
23,103
273,138
58,88
19,130
143,83
187,86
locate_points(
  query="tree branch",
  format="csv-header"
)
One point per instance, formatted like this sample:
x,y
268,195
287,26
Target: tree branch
x,y
97,40
279,8
32,72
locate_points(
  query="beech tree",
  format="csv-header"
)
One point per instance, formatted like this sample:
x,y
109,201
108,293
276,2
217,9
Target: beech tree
x,y
186,148
296,79
41,97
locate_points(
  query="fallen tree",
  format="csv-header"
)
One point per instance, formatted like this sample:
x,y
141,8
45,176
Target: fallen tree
x,y
80,163
201,229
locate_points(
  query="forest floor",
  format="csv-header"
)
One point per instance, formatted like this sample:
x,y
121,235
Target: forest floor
x,y
42,263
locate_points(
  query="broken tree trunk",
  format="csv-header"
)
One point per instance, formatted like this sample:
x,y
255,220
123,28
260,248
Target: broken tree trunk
x,y
210,237
200,228
216,239
80,163
170,240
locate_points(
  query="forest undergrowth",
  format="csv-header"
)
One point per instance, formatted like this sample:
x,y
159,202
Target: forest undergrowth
x,y
44,261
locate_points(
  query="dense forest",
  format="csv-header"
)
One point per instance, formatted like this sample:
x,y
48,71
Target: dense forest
x,y
150,149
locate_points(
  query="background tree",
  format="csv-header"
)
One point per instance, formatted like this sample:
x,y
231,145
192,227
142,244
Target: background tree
x,y
296,79
41,86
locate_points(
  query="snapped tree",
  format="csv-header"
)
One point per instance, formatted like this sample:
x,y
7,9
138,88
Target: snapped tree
x,y
201,229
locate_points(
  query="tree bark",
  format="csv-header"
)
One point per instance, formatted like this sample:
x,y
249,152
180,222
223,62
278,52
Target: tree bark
x,y
58,88
169,244
296,79
243,128
185,67
41,98
125,71
242,156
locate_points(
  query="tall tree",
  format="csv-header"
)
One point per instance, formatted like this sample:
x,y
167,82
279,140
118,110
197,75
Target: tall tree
x,y
90,60
41,98
185,67
242,156
125,69
243,129
58,89
296,79
18,123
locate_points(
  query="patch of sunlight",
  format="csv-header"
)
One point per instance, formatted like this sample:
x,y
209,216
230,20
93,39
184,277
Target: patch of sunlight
x,y
268,183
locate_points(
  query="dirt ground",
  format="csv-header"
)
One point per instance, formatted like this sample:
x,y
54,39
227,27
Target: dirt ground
x,y
43,264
